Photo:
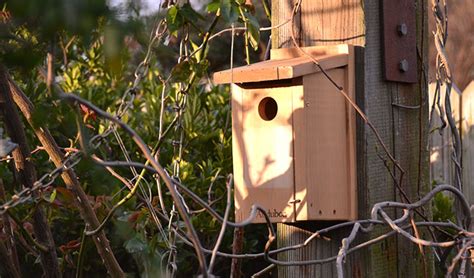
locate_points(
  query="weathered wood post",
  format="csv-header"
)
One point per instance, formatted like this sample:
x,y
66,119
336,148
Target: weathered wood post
x,y
398,110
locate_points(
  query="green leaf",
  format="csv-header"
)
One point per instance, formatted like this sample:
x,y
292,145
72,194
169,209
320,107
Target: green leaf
x,y
136,244
52,197
229,11
253,31
174,19
213,6
443,208
190,14
181,71
200,68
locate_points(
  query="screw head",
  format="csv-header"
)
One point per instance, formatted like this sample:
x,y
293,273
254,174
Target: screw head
x,y
402,29
403,66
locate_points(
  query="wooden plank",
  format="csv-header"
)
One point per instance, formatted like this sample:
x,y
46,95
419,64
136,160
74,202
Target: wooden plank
x,y
326,175
410,138
441,163
350,87
327,22
279,69
326,62
319,248
468,141
349,29
263,152
317,51
281,13
321,22
381,259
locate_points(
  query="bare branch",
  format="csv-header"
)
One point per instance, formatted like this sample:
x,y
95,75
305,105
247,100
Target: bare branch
x,y
27,174
70,179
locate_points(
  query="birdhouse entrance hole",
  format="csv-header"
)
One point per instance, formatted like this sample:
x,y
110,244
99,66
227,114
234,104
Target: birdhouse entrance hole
x,y
268,109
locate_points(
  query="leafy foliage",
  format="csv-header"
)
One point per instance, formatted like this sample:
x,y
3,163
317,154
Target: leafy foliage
x,y
443,208
95,56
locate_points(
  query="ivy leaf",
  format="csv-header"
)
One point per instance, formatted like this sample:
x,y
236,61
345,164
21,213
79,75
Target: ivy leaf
x,y
229,11
253,31
213,6
181,71
190,14
174,19
199,68
43,112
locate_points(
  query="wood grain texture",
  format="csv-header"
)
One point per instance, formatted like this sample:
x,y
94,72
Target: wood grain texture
x,y
381,259
468,141
359,23
328,173
347,27
411,133
442,166
441,162
319,248
263,153
331,22
281,12
279,69
321,22
296,164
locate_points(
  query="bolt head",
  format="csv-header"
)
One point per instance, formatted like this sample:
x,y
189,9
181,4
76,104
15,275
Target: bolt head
x,y
403,66
402,29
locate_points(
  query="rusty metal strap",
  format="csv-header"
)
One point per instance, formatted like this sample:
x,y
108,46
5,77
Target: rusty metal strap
x,y
399,40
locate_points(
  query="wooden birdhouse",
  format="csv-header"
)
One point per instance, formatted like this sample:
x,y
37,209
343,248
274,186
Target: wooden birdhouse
x,y
293,136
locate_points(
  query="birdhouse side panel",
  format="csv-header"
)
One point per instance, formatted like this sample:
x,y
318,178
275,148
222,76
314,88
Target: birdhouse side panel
x,y
323,161
263,151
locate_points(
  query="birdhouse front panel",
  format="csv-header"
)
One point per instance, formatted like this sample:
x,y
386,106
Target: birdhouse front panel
x,y
293,136
263,152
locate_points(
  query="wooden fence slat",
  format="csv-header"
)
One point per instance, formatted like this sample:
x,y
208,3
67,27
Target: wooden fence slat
x,y
467,139
441,163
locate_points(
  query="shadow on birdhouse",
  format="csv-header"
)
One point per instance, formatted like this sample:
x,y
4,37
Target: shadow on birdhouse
x,y
293,136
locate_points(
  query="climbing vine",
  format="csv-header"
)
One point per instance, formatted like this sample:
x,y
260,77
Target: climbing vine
x,y
122,160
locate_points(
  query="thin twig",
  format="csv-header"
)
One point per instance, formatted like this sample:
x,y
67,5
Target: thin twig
x,y
224,223
70,179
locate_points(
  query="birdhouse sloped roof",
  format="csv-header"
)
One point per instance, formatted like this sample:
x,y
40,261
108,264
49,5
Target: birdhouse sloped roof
x,y
284,66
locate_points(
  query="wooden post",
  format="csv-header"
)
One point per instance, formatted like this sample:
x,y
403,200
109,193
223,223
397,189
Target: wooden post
x,y
467,137
400,114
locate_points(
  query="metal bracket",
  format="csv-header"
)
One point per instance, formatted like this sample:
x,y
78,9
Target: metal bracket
x,y
399,41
